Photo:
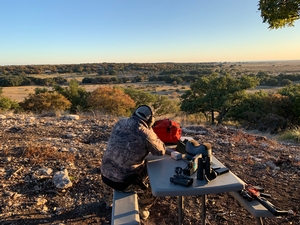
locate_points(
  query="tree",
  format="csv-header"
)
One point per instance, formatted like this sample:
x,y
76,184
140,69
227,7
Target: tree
x,y
293,93
112,72
215,95
279,13
40,90
111,100
44,102
75,94
140,97
286,82
250,111
263,111
163,105
78,69
100,72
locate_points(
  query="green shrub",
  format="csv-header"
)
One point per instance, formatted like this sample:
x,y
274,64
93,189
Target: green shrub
x,y
8,104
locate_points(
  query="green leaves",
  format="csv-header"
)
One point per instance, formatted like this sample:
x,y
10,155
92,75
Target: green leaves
x,y
279,13
161,104
75,94
216,94
7,104
140,97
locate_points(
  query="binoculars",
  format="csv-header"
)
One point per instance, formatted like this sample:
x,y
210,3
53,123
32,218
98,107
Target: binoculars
x,y
181,180
205,170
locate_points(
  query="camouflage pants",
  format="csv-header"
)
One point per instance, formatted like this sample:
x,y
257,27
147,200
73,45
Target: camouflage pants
x,y
145,197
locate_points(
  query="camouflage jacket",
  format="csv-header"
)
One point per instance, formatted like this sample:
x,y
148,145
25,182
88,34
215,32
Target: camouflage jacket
x,y
130,142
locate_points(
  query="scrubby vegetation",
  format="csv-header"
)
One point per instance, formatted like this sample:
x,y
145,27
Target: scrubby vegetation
x,y
292,134
215,93
116,73
111,100
8,104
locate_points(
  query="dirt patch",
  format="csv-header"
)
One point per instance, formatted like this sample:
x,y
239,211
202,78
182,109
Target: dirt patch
x,y
27,197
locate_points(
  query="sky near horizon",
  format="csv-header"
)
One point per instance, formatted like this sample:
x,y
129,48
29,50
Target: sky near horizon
x,y
139,31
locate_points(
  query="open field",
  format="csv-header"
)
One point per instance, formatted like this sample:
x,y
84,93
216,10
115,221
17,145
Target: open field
x,y
18,93
21,92
173,91
275,67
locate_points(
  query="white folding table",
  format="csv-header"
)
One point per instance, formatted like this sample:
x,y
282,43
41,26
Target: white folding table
x,y
161,168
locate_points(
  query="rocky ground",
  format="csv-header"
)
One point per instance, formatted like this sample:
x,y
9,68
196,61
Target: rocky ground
x,y
49,173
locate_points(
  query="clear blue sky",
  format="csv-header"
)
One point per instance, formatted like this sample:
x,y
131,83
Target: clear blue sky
x,y
96,31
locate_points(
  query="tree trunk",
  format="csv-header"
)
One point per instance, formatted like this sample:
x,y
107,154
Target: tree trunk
x,y
212,117
222,115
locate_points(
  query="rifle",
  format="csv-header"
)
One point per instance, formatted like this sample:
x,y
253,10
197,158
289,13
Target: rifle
x,y
254,193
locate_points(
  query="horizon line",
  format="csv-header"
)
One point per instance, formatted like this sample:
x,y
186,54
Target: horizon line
x,y
243,61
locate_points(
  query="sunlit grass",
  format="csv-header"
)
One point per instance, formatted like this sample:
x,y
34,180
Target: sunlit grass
x,y
290,135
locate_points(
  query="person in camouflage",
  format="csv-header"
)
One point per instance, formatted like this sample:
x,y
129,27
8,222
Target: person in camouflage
x,y
123,165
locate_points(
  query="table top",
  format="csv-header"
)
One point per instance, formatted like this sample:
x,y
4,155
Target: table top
x,y
161,168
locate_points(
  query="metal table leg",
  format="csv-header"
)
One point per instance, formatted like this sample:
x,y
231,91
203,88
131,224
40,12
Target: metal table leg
x,y
259,221
180,209
203,215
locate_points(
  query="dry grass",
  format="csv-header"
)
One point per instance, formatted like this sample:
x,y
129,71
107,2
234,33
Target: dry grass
x,y
291,135
40,153
21,92
18,93
271,67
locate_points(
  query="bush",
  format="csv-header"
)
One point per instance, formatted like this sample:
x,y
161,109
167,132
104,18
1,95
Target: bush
x,y
140,97
8,104
43,102
111,100
75,94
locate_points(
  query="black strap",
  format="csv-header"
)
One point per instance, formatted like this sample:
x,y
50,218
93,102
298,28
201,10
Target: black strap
x,y
121,186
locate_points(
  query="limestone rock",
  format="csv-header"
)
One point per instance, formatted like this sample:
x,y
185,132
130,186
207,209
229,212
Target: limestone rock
x,y
61,179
